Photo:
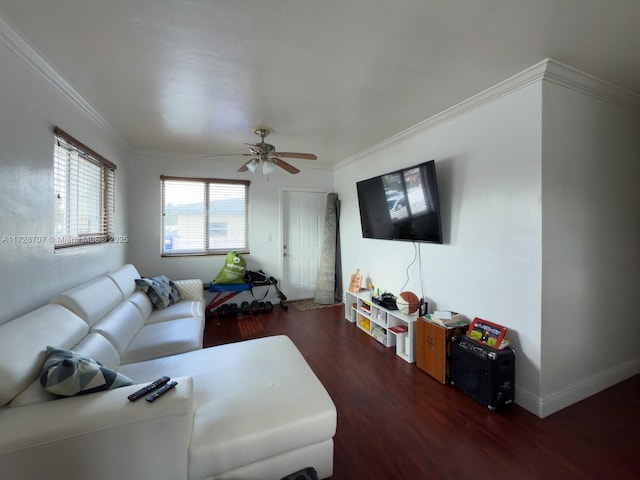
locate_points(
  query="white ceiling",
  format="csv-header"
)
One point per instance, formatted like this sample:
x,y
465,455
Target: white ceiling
x,y
330,77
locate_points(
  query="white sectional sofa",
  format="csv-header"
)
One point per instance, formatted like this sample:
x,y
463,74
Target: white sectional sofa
x,y
246,410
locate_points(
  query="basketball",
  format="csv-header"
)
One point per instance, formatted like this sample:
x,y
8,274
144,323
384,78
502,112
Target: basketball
x,y
407,302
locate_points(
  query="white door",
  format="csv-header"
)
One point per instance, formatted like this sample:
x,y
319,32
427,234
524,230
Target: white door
x,y
303,230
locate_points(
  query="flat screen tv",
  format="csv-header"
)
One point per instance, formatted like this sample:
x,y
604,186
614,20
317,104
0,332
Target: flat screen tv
x,y
401,205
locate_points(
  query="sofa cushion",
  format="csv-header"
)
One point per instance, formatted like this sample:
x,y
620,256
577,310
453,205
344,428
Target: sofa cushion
x,y
120,325
68,373
161,291
254,400
24,341
186,308
96,346
142,303
125,278
34,393
183,309
165,338
92,300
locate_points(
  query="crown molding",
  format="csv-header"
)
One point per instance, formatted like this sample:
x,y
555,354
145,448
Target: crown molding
x,y
21,47
582,82
547,70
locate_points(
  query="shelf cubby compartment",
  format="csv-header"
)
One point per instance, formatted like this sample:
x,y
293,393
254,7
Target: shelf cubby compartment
x,y
365,309
401,344
380,334
351,313
380,317
364,323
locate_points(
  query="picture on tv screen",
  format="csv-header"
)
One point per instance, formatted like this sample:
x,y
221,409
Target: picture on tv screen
x,y
401,205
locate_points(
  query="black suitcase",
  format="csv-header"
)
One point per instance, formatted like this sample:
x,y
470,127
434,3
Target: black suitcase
x,y
482,372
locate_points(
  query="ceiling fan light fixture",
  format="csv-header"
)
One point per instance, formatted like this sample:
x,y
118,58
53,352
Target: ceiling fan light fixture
x,y
267,167
253,165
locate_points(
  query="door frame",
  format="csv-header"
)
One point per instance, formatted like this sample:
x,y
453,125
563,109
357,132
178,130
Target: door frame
x,y
281,194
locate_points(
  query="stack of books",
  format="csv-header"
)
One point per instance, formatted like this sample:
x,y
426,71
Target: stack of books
x,y
448,319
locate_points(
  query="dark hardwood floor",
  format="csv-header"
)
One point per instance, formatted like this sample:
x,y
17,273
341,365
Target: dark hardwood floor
x,y
396,422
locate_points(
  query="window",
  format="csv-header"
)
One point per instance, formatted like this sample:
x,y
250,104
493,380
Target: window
x,y
84,189
204,216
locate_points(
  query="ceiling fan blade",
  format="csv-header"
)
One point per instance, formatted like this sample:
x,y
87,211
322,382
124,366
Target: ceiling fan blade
x,y
304,156
228,155
287,166
245,167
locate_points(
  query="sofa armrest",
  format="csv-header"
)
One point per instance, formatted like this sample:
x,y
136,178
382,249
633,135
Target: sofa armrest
x,y
99,436
191,289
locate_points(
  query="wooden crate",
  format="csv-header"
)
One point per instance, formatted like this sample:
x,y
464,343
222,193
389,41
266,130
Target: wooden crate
x,y
433,348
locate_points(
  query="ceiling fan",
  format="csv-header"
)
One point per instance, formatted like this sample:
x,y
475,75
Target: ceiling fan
x,y
266,155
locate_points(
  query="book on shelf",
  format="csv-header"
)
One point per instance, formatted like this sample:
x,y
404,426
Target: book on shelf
x,y
487,333
379,334
399,329
445,314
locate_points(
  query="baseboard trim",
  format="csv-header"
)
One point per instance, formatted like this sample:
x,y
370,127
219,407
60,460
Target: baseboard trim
x,y
589,386
528,401
577,391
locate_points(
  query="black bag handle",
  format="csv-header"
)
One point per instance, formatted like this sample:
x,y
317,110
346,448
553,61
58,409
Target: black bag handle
x,y
268,285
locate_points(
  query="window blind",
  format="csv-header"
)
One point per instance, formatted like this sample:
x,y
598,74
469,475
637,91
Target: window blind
x,y
84,189
204,216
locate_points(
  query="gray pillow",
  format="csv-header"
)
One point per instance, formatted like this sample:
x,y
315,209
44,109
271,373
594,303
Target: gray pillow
x,y
68,373
174,293
161,291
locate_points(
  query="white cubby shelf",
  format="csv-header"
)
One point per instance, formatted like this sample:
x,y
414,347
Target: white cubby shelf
x,y
378,322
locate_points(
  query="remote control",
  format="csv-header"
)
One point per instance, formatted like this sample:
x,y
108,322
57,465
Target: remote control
x,y
149,388
162,391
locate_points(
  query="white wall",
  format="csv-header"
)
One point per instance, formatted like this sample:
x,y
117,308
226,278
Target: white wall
x,y
30,105
591,244
145,208
489,181
538,185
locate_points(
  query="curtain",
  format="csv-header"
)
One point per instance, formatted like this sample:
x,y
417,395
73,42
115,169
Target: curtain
x,y
329,287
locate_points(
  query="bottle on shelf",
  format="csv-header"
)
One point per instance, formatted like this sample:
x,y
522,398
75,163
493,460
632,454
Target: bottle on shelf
x,y
368,283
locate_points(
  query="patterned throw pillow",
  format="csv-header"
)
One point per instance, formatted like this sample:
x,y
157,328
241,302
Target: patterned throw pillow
x,y
174,292
68,373
161,291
